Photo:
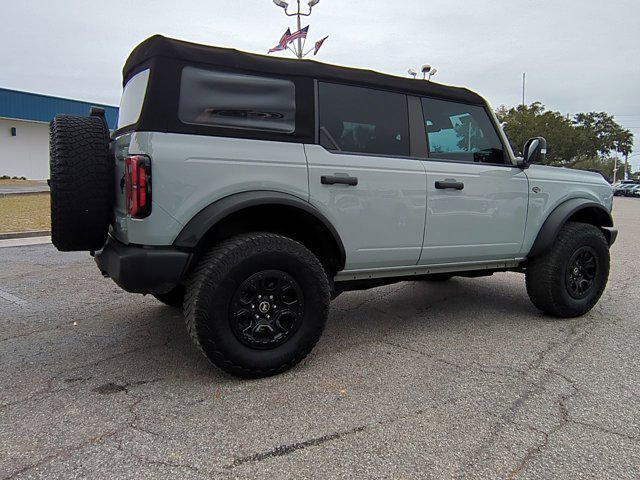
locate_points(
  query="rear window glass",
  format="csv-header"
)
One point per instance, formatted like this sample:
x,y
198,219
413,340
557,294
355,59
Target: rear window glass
x,y
233,100
132,99
363,120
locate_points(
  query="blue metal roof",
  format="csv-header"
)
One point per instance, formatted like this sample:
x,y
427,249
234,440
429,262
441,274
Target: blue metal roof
x,y
42,108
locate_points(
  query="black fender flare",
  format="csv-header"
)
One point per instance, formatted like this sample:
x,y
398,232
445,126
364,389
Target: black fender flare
x,y
208,217
561,214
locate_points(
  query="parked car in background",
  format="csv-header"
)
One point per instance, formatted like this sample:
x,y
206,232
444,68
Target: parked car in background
x,y
626,192
622,188
633,191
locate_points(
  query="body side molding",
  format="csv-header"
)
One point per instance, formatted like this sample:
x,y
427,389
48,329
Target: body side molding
x,y
562,213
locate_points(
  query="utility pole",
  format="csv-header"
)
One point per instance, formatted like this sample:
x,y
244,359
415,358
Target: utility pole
x,y
524,82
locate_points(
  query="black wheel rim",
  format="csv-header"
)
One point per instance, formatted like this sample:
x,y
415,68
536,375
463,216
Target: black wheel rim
x,y
267,309
582,270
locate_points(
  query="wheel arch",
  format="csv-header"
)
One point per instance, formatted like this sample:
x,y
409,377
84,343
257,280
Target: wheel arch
x,y
270,211
574,210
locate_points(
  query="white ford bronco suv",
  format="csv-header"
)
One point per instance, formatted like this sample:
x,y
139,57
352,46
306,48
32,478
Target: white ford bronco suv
x,y
249,191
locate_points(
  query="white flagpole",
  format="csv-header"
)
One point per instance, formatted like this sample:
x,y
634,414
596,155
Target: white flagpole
x,y
305,43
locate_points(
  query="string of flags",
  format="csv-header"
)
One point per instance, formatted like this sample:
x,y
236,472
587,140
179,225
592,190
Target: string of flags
x,y
289,38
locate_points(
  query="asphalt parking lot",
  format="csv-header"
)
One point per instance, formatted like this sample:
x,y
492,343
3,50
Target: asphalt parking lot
x,y
458,380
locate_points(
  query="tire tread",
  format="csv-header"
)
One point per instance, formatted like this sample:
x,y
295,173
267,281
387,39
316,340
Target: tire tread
x,y
544,273
81,182
212,268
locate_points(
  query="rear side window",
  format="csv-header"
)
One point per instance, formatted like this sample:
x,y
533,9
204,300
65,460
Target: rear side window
x,y
457,131
233,100
132,99
363,120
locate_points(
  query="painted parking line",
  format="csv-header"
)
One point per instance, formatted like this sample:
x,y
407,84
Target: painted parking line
x,y
12,299
22,242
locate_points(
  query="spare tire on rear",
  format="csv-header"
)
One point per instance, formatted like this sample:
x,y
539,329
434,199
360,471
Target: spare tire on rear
x,y
81,182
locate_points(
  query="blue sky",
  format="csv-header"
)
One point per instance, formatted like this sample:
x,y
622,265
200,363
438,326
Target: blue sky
x,y
579,55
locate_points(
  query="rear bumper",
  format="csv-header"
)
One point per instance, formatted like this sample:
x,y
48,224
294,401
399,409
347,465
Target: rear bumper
x,y
611,234
142,269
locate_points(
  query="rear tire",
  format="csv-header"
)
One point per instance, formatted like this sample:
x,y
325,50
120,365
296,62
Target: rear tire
x,y
257,304
81,182
569,279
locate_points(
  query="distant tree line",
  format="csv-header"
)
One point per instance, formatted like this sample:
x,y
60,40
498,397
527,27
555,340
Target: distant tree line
x,y
592,141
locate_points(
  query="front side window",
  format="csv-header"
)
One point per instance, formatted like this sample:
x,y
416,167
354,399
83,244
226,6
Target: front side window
x,y
233,100
457,131
363,120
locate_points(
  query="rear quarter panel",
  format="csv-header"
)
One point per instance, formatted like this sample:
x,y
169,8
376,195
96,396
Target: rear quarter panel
x,y
557,185
190,172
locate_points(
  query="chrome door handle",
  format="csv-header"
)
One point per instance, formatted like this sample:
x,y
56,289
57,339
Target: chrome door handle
x,y
338,179
448,184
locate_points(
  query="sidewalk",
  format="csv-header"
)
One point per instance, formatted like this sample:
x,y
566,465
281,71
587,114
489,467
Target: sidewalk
x,y
22,242
29,187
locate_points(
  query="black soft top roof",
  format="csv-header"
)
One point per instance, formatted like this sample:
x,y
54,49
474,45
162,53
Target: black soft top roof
x,y
159,47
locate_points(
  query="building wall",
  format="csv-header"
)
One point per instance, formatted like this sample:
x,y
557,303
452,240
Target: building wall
x,y
26,154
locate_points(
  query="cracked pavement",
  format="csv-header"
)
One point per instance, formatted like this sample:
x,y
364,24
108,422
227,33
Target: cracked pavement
x,y
464,379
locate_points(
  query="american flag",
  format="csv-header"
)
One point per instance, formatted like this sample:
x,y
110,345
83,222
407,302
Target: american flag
x,y
284,41
319,45
299,34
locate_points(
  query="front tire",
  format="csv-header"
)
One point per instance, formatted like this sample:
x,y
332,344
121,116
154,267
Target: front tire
x,y
570,278
257,304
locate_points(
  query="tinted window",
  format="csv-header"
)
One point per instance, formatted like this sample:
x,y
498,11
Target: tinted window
x,y
362,120
461,132
223,99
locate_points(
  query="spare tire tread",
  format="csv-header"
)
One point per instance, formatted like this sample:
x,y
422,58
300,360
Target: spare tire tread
x,y
81,182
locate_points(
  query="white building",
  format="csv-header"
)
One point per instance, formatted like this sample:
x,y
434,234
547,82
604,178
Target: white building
x,y
24,130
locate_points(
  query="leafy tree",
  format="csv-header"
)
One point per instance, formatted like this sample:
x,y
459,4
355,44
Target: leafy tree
x,y
571,141
600,134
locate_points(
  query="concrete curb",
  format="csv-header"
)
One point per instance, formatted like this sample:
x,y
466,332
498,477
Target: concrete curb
x,y
15,194
36,233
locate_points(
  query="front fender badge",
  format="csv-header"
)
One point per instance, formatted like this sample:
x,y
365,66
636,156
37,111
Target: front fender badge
x,y
536,189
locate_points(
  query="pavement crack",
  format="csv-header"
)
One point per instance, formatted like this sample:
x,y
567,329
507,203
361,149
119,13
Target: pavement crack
x,y
162,463
66,453
459,367
293,447
601,429
563,422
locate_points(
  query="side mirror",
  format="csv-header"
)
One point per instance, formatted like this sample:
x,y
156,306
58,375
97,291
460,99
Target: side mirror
x,y
535,150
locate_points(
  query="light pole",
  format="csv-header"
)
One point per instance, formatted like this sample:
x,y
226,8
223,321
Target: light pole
x,y
284,5
428,70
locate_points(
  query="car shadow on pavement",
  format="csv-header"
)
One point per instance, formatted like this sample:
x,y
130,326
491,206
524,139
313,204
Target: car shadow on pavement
x,y
431,311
